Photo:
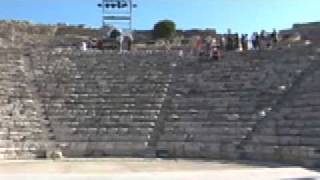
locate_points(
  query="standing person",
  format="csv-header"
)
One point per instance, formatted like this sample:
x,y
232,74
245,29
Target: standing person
x,y
208,44
223,42
120,40
213,45
229,40
199,46
216,54
99,45
274,37
180,53
254,41
84,46
244,42
194,45
130,44
263,39
258,41
89,44
237,42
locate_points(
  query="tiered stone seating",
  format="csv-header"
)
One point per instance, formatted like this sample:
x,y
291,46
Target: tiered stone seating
x,y
262,105
291,133
215,106
106,104
23,133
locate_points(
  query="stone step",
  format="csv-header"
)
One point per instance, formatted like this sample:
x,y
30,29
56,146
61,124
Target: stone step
x,y
130,138
106,124
112,118
112,107
286,140
302,116
107,131
119,112
219,107
290,130
213,116
206,130
83,148
105,84
208,124
295,123
212,150
200,137
110,97
284,153
288,109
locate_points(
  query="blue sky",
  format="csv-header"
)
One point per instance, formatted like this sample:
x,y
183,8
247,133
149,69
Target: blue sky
x,y
239,15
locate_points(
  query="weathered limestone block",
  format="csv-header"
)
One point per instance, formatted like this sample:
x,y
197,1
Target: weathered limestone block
x,y
192,149
289,140
265,139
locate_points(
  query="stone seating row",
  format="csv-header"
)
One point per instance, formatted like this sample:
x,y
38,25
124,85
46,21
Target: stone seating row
x,y
97,112
292,130
195,149
116,97
108,117
108,124
259,75
286,136
203,123
203,138
103,149
106,138
97,105
296,154
21,114
100,106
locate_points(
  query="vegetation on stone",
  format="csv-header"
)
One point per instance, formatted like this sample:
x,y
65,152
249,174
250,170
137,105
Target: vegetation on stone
x,y
164,29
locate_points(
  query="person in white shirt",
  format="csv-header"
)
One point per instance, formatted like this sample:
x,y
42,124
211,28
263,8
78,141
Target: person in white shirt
x,y
84,46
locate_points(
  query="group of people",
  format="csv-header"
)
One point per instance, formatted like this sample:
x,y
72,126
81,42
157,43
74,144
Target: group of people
x,y
208,47
213,47
124,44
90,44
115,39
262,40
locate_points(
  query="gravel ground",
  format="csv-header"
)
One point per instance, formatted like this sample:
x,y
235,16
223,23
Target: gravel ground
x,y
149,169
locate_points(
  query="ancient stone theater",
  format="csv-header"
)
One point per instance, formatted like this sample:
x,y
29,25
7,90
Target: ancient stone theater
x,y
57,100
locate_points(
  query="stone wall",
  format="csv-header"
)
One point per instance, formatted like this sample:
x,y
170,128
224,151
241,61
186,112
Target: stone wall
x,y
309,31
21,34
79,31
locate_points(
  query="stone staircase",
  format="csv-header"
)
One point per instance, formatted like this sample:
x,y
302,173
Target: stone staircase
x,y
205,116
287,133
24,131
216,106
258,105
105,105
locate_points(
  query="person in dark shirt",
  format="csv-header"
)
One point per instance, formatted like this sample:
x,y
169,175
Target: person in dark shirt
x,y
274,37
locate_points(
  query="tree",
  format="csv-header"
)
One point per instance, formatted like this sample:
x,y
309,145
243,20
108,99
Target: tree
x,y
115,34
164,29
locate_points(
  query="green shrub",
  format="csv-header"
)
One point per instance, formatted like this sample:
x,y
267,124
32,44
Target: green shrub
x,y
164,29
